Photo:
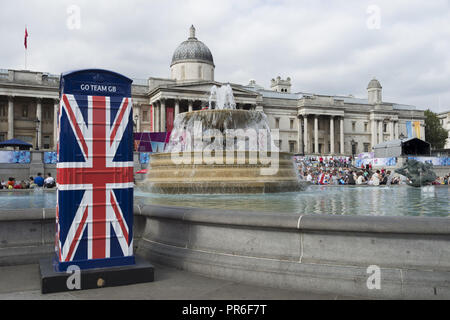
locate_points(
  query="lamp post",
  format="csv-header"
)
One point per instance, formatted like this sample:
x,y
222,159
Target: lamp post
x,y
353,142
136,118
37,122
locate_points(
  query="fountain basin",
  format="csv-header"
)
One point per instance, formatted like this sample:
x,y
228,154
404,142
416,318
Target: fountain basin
x,y
167,177
317,253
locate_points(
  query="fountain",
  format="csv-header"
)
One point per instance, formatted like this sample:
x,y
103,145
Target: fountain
x,y
221,150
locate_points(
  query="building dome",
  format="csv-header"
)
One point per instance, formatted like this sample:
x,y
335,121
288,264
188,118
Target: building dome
x,y
192,50
374,83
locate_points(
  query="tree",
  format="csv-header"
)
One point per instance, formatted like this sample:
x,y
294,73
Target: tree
x,y
434,132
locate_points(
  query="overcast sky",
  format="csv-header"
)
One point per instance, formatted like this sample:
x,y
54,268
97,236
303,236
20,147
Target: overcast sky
x,y
326,47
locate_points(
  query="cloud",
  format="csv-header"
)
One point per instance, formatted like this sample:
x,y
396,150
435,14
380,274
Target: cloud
x,y
324,46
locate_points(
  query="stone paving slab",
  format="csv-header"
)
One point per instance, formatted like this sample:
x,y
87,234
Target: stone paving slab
x,y
22,282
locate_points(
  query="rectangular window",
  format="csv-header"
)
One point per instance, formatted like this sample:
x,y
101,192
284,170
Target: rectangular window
x,y
277,123
2,137
292,146
145,116
354,126
384,127
366,147
2,111
366,127
47,114
46,142
25,111
292,124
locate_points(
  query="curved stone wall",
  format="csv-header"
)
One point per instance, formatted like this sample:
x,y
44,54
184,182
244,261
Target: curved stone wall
x,y
324,254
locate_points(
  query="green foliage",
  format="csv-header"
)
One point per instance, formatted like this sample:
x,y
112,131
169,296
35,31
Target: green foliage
x,y
434,132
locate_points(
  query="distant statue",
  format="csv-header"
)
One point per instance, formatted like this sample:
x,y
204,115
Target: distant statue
x,y
418,173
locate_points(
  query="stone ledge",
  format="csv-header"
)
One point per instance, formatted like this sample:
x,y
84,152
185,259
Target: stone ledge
x,y
372,224
319,278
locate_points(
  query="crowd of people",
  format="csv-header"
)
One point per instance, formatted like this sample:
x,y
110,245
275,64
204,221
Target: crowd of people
x,y
341,172
31,183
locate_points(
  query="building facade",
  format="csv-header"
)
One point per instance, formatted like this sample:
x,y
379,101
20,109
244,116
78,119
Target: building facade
x,y
307,123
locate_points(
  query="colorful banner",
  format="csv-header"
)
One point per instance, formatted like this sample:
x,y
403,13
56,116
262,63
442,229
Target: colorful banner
x,y
15,157
376,162
417,129
435,161
151,118
152,142
144,158
50,157
409,129
366,155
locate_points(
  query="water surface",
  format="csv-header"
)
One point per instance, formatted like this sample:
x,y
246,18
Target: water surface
x,y
337,200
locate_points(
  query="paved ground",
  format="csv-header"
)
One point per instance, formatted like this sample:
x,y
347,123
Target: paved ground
x,y
23,282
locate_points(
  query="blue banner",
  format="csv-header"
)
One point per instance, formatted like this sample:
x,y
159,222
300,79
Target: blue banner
x,y
15,157
144,157
377,162
50,157
409,129
435,161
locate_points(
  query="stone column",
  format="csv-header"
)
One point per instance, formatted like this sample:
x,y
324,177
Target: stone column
x,y
39,117
305,134
316,134
177,108
153,115
10,117
157,118
380,132
374,132
391,130
163,115
299,136
341,128
191,105
332,135
55,123
396,133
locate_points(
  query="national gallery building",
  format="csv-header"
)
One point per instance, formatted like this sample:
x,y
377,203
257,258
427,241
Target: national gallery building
x,y
308,123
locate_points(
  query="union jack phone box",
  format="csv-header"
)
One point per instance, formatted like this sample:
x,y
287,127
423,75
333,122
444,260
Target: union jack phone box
x,y
94,213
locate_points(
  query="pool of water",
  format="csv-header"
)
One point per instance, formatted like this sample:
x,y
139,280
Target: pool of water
x,y
25,200
338,200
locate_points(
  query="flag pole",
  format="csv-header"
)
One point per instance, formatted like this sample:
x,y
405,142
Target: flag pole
x,y
26,46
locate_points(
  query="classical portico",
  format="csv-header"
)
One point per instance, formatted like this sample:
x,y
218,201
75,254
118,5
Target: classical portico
x,y
323,130
28,107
